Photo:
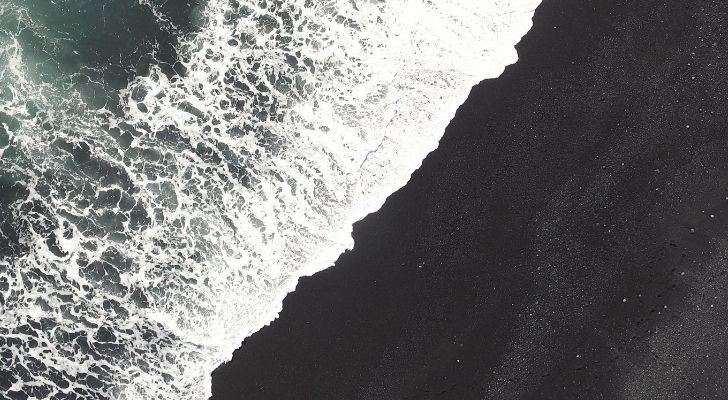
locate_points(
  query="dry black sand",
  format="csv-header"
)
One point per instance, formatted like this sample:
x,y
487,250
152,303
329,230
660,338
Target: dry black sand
x,y
567,240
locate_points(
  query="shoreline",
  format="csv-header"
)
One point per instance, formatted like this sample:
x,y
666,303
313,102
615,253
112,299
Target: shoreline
x,y
564,240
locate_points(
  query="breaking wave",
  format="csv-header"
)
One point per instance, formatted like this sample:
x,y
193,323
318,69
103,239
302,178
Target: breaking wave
x,y
166,175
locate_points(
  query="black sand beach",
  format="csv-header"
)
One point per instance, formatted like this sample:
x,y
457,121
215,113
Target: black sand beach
x,y
567,240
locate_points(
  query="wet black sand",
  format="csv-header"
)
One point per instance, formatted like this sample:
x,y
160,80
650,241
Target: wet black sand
x,y
568,239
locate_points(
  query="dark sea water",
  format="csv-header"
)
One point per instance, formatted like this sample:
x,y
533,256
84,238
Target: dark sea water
x,y
168,169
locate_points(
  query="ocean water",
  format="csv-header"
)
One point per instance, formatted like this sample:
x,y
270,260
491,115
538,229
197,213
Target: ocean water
x,y
168,169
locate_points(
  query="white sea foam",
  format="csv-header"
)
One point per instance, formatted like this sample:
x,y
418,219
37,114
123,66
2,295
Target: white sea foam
x,y
185,221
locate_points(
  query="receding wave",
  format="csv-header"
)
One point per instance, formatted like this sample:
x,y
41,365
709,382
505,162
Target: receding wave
x,y
159,196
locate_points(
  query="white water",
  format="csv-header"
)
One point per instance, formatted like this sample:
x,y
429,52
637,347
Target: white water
x,y
233,190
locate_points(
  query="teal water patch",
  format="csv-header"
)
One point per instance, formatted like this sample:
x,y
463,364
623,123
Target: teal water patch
x,y
107,40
